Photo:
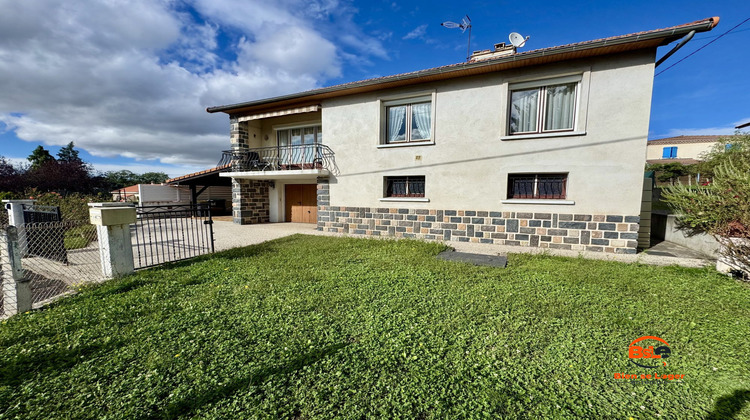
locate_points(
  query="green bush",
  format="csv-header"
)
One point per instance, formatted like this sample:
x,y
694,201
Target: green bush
x,y
721,208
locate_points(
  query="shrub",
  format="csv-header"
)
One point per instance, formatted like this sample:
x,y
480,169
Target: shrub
x,y
721,208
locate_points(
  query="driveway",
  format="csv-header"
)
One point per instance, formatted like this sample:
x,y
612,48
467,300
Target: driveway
x,y
228,235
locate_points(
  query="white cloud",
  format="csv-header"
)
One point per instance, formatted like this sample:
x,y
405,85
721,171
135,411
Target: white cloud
x,y
133,78
724,130
417,33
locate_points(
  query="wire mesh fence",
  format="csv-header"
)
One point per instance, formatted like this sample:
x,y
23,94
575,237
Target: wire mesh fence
x,y
56,258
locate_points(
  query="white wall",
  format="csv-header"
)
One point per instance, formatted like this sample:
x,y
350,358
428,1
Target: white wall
x,y
468,166
153,194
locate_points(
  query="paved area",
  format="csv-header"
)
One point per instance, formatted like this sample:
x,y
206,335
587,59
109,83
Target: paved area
x,y
228,235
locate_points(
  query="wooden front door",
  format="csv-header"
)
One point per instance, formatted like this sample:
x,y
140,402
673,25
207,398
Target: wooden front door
x,y
301,203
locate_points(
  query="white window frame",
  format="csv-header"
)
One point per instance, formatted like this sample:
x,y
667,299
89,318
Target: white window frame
x,y
406,99
580,109
542,86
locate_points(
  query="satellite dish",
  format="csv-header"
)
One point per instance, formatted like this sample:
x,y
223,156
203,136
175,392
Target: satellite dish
x,y
517,39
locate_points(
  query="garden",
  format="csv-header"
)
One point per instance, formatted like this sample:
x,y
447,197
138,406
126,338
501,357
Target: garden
x,y
322,327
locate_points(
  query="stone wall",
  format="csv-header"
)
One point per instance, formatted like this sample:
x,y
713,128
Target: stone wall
x,y
577,232
250,201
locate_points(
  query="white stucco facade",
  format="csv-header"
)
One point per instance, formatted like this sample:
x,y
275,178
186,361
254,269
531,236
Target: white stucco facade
x,y
466,166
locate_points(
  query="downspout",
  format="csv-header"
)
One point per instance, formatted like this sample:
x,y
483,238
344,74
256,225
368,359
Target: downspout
x,y
684,41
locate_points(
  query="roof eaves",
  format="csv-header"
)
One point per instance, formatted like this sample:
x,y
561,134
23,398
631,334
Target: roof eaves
x,y
666,35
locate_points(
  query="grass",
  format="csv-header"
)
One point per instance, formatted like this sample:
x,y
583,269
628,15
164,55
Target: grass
x,y
79,236
317,327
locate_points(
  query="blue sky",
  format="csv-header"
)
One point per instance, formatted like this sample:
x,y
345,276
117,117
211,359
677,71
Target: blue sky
x,y
129,81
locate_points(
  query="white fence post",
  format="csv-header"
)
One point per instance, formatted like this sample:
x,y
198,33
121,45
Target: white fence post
x,y
15,218
113,222
16,289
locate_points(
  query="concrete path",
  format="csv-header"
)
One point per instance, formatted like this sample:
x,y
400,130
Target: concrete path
x,y
229,235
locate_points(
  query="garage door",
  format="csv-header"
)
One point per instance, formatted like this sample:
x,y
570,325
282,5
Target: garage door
x,y
301,203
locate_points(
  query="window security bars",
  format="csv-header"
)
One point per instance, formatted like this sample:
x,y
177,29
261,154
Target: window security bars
x,y
404,186
537,186
171,233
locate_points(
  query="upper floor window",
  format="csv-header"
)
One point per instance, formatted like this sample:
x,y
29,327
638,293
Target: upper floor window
x,y
537,186
542,107
408,120
669,152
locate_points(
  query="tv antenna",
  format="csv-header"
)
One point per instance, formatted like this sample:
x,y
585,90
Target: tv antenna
x,y
464,25
517,39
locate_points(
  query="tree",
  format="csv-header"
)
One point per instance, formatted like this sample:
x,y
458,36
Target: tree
x,y
153,178
69,154
721,208
669,172
39,157
11,177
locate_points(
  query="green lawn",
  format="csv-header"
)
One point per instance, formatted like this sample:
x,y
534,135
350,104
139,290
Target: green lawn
x,y
319,327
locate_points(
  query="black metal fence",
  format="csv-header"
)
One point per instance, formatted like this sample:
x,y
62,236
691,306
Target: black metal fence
x,y
171,233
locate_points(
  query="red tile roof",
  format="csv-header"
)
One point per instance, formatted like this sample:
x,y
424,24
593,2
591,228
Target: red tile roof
x,y
614,44
129,189
685,161
222,168
686,139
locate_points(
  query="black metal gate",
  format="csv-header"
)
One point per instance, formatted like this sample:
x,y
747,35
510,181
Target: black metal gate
x,y
45,236
171,233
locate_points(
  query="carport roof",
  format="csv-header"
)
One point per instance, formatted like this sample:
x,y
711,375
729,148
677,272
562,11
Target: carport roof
x,y
206,177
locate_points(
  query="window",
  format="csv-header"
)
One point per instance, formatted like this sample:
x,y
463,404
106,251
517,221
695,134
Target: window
x,y
404,186
536,108
297,146
669,152
537,186
408,120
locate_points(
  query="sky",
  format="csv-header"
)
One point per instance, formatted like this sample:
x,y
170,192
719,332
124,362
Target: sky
x,y
129,81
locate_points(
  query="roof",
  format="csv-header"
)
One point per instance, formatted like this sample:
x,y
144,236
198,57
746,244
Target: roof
x,y
616,44
199,174
687,139
128,189
685,161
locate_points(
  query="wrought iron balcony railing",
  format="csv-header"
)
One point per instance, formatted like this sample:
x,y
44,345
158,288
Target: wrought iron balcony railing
x,y
280,158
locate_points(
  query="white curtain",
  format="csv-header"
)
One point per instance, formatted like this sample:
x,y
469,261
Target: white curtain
x,y
560,107
396,120
420,121
524,106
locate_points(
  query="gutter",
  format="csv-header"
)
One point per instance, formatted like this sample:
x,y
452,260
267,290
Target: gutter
x,y
667,34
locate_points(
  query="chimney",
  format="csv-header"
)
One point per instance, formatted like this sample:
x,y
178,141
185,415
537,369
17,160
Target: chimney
x,y
501,50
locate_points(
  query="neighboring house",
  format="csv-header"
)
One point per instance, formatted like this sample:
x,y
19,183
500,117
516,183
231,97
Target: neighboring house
x,y
542,148
126,194
683,149
153,195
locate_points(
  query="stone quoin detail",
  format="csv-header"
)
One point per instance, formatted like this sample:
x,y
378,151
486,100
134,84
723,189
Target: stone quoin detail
x,y
250,201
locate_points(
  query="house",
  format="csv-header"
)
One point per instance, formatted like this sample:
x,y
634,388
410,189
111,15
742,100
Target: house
x,y
687,150
125,194
542,148
152,195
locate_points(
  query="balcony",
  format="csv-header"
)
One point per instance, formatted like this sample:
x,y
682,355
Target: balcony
x,y
280,161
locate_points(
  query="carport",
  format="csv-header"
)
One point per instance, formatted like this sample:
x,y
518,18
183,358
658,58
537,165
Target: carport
x,y
208,187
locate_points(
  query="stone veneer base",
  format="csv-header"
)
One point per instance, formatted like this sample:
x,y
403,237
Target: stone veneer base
x,y
577,232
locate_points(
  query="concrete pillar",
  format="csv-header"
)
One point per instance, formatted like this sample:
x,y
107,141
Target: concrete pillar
x,y
15,218
16,289
113,222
